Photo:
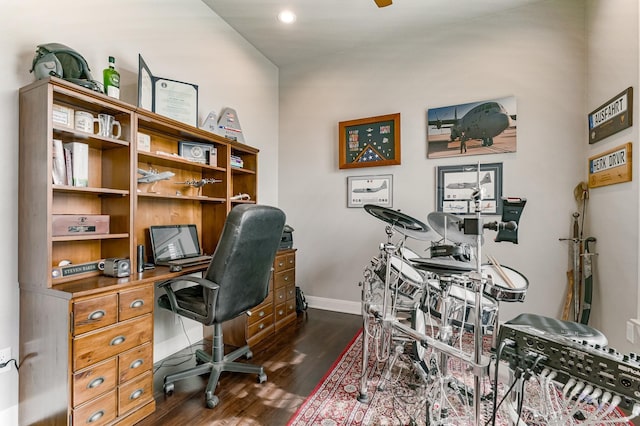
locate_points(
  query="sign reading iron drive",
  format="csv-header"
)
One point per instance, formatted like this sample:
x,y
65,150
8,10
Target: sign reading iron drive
x,y
613,116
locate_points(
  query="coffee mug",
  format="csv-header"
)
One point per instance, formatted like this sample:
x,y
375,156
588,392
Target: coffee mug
x,y
106,124
84,121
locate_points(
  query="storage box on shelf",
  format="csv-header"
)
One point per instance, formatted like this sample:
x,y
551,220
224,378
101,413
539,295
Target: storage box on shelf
x,y
86,340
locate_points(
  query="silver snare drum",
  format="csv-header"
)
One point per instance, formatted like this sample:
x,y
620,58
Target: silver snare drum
x,y
497,288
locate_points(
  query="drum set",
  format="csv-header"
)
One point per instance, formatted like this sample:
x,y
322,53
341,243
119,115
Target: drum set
x,y
438,311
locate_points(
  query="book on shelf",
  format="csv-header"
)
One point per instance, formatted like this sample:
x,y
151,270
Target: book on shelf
x,y
79,163
59,170
67,165
236,161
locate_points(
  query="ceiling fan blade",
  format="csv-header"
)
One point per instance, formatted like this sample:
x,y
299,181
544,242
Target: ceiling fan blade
x,y
383,3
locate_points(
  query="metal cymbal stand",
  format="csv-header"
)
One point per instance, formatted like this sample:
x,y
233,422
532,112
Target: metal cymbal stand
x,y
384,317
475,227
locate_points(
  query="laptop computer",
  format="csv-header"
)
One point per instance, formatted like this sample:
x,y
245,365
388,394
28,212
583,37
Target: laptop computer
x,y
176,245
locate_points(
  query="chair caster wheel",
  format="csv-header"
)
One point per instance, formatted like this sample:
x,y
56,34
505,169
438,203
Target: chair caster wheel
x,y
248,355
168,388
212,402
262,378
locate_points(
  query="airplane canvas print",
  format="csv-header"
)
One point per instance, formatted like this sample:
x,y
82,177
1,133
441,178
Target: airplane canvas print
x,y
485,127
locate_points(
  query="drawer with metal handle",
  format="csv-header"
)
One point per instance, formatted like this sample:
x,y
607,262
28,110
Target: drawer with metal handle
x,y
93,381
94,313
99,411
110,341
135,393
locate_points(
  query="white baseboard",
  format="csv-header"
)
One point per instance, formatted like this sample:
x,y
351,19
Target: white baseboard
x,y
9,416
336,305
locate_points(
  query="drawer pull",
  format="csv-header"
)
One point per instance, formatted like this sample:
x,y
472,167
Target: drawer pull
x,y
137,303
137,394
135,364
280,312
117,340
280,263
95,383
96,416
286,278
96,315
261,314
261,326
281,296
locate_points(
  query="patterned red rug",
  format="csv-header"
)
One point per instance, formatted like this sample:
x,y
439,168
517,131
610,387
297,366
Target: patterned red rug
x,y
399,398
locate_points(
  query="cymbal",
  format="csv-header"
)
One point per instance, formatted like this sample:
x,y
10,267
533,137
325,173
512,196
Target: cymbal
x,y
400,221
441,265
448,226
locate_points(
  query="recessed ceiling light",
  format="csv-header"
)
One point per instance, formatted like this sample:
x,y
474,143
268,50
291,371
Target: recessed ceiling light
x,y
286,17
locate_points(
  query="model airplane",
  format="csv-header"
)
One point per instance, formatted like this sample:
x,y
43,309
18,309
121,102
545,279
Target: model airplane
x,y
470,185
382,186
152,176
198,183
484,122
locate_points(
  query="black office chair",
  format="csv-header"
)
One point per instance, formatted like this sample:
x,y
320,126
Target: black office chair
x,y
237,280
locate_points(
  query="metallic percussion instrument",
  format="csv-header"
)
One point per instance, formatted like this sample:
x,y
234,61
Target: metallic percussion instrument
x,y
398,220
449,227
442,265
451,294
496,287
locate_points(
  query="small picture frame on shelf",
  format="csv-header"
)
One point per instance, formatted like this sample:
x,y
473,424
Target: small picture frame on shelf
x,y
197,152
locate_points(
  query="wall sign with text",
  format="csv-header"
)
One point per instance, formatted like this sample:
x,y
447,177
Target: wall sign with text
x,y
611,117
610,167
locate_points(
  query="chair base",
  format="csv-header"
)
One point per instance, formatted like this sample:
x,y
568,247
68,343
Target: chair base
x,y
206,364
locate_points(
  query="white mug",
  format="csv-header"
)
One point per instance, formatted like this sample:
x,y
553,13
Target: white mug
x,y
84,121
106,124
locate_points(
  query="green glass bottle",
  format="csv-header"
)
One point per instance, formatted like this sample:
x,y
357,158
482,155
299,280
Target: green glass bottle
x,y
111,79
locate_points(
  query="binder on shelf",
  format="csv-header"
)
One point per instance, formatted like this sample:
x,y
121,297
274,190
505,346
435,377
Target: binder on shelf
x,y
59,168
79,163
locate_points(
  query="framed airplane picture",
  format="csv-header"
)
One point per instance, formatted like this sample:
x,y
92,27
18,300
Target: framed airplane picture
x,y
376,190
369,142
486,127
455,186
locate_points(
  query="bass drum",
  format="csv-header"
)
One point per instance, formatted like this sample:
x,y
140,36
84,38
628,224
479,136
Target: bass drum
x,y
419,352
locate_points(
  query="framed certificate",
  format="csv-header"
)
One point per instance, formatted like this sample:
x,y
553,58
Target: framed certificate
x,y
170,98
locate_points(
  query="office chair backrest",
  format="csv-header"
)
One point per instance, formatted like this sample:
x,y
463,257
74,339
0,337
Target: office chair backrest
x,y
243,259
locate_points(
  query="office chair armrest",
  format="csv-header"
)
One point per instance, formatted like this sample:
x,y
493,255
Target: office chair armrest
x,y
173,301
210,285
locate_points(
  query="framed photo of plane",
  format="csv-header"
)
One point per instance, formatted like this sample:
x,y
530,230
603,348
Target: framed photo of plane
x,y
376,190
456,185
486,127
369,142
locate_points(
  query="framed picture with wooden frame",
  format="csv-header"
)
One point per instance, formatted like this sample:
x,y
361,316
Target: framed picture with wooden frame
x,y
370,142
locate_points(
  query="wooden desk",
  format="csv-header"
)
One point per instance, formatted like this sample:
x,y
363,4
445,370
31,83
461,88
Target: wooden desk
x,y
86,349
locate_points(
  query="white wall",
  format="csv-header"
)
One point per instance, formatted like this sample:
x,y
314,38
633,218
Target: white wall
x,y
536,53
613,39
179,39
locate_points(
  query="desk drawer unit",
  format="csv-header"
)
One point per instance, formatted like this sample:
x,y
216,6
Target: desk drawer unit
x,y
112,356
284,288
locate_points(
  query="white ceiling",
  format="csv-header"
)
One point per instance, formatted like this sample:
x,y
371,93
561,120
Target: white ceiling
x,y
325,26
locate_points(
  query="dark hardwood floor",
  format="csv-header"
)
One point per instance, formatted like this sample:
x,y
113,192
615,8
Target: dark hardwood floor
x,y
295,360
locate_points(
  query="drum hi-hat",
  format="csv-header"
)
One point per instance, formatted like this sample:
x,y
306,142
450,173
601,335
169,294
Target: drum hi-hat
x,y
399,221
449,227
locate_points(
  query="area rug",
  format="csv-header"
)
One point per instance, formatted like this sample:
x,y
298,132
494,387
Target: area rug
x,y
399,397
